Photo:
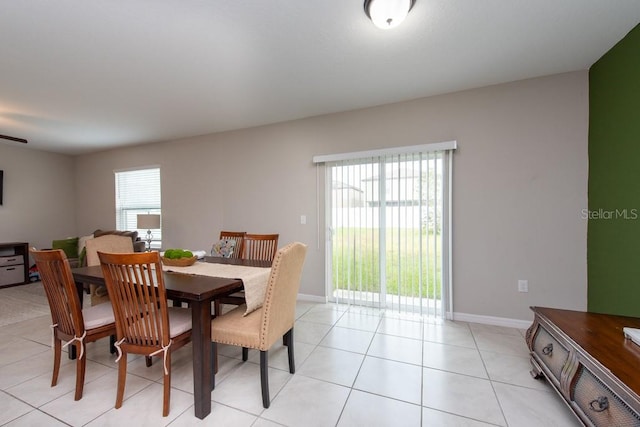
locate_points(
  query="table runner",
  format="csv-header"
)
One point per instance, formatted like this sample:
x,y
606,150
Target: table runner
x,y
254,279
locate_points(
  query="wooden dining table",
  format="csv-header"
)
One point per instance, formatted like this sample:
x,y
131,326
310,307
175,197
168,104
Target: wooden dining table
x,y
199,292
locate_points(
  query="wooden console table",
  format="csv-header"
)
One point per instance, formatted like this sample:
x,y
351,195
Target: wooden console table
x,y
14,264
589,362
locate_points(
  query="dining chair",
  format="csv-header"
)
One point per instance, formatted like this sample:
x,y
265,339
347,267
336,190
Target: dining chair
x,y
70,322
261,328
105,243
145,324
238,237
260,247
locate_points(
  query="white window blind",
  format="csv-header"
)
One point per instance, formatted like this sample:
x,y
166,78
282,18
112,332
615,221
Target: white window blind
x,y
388,217
138,192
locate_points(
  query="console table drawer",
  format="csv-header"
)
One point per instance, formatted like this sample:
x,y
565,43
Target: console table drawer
x,y
552,354
11,260
11,275
599,404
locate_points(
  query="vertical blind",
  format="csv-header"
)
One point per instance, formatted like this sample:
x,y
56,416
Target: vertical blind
x,y
138,192
388,240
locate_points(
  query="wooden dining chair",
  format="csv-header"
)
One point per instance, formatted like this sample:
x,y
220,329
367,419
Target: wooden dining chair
x,y
260,247
261,328
70,322
238,237
145,324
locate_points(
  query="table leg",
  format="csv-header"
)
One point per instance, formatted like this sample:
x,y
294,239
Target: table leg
x,y
201,344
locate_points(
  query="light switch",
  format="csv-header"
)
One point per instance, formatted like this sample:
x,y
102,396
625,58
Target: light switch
x,y
303,219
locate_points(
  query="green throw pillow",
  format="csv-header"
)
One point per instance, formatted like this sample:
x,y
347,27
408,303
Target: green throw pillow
x,y
83,256
69,246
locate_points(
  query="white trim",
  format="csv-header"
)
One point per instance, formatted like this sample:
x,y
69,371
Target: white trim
x,y
490,320
136,168
436,146
312,298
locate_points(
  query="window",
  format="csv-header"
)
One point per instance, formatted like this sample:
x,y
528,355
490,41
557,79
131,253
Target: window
x,y
388,228
138,192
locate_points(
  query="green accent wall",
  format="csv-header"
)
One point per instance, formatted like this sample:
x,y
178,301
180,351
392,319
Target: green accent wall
x,y
613,241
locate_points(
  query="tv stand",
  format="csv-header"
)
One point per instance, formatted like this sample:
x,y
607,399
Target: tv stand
x,y
14,264
589,362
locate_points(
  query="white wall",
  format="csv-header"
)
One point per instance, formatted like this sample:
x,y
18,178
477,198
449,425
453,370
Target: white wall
x,y
39,196
520,182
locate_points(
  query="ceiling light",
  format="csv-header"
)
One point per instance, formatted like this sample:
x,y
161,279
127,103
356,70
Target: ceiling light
x,y
387,14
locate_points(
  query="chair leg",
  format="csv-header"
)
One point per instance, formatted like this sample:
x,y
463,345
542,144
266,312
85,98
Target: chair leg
x,y
166,401
264,378
81,365
57,353
122,377
245,354
288,338
148,361
217,307
112,344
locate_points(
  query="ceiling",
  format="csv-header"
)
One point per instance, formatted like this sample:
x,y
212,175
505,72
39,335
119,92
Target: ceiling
x,y
83,76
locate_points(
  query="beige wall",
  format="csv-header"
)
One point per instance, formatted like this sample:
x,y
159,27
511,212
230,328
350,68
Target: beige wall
x,y
39,196
519,182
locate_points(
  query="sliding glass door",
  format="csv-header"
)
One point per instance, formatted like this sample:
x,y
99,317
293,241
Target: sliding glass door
x,y
388,223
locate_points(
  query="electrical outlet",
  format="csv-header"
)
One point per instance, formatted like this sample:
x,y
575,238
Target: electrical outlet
x,y
523,286
303,219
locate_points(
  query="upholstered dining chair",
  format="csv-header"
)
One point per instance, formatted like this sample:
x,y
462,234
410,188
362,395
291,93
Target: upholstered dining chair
x,y
145,324
261,328
70,322
106,243
260,247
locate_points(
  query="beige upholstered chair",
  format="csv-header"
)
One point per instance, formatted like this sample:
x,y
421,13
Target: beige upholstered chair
x,y
144,323
70,323
107,243
261,328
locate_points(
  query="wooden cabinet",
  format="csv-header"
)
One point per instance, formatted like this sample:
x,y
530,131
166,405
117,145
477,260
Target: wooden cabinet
x,y
14,264
589,362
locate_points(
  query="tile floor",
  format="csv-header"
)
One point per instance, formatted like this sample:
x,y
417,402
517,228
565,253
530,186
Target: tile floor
x,y
355,367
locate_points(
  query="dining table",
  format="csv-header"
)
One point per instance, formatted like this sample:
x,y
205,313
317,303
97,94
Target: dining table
x,y
198,291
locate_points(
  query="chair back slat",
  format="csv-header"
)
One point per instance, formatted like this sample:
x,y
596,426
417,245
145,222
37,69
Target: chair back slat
x,y
57,280
262,247
138,295
238,237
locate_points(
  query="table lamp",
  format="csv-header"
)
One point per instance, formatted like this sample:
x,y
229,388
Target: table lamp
x,y
148,221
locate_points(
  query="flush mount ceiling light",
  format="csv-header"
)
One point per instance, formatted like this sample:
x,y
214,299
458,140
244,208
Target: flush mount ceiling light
x,y
387,14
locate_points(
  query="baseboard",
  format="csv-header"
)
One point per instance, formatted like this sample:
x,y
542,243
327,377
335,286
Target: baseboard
x,y
312,298
490,320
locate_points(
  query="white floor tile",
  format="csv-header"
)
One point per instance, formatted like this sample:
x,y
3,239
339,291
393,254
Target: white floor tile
x,y
453,333
35,418
365,409
396,348
524,407
307,402
396,380
509,369
332,365
432,417
500,343
461,395
361,321
452,358
12,408
401,328
348,340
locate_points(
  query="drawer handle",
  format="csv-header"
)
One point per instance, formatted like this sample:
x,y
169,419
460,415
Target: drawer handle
x,y
548,349
602,404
